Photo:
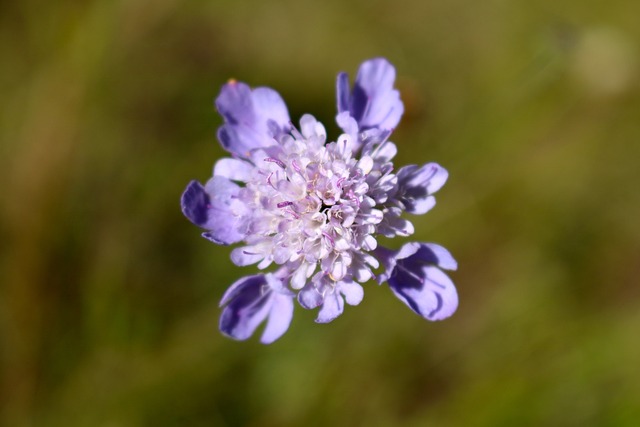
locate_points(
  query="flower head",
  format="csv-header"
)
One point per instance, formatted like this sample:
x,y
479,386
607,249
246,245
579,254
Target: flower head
x,y
314,208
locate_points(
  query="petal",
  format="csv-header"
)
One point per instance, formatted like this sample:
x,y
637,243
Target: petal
x,y
276,283
234,103
279,318
226,213
239,105
421,206
433,253
413,256
310,128
251,300
431,176
241,285
301,275
369,243
195,203
213,208
438,177
233,169
331,308
352,291
248,306
309,297
252,117
407,250
243,256
387,257
416,185
342,90
240,324
268,105
393,225
240,140
435,298
338,269
222,191
374,102
385,152
349,125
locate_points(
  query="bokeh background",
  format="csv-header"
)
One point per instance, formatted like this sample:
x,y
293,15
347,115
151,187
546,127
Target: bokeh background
x,y
108,297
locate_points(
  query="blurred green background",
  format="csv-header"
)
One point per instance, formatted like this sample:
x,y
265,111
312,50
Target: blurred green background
x,y
108,297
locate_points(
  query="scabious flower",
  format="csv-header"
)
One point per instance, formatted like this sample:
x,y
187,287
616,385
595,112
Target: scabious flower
x,y
315,208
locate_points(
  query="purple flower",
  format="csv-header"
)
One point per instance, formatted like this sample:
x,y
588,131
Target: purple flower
x,y
315,208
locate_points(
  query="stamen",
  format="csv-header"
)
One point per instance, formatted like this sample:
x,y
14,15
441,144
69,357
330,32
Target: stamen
x,y
295,215
325,234
296,167
269,181
295,132
284,204
382,144
410,273
276,161
264,290
433,171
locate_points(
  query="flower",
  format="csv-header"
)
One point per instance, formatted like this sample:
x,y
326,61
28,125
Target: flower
x,y
315,208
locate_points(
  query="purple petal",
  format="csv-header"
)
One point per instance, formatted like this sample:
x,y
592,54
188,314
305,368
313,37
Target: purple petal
x,y
276,283
393,225
432,176
414,276
252,117
247,306
385,152
241,285
428,292
269,105
348,124
413,253
222,191
195,202
416,186
310,127
421,206
279,319
331,308
389,258
374,103
352,291
250,301
235,104
342,89
243,256
233,169
407,250
433,253
216,209
309,297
